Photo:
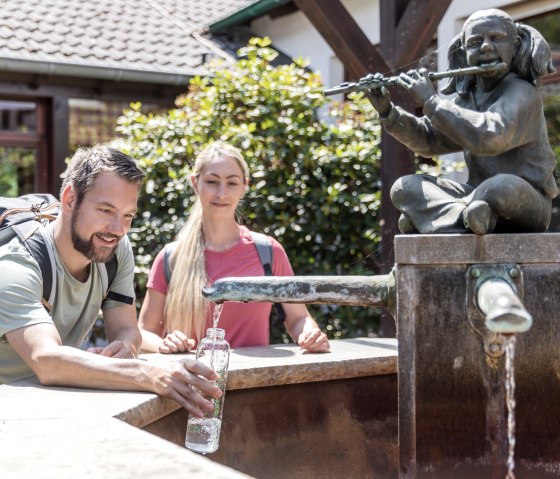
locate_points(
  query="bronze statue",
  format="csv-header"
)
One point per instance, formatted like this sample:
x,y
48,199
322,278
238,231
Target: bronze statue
x,y
495,117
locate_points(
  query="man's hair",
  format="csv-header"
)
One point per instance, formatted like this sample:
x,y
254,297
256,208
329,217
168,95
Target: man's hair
x,y
87,163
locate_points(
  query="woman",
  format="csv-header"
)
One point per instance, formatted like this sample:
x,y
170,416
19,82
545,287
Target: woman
x,y
213,245
496,118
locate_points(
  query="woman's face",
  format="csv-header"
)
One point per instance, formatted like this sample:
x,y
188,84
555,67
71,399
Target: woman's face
x,y
488,40
220,186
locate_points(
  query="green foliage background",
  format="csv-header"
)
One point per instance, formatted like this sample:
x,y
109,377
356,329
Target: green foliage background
x,y
314,178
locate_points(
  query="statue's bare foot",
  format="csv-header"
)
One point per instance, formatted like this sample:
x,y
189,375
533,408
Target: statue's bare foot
x,y
480,218
405,225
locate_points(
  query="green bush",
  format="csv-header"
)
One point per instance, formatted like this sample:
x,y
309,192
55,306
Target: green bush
x,y
315,182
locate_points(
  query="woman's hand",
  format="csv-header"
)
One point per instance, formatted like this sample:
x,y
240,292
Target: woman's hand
x,y
314,341
176,342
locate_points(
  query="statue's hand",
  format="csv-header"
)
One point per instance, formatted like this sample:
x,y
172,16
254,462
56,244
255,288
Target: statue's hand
x,y
378,95
418,83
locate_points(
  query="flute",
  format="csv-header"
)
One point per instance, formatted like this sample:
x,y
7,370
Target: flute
x,y
368,82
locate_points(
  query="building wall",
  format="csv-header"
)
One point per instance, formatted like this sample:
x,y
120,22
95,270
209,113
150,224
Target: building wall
x,y
295,36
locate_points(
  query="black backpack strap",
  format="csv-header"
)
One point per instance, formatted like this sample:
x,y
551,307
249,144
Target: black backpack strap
x,y
40,245
108,271
264,250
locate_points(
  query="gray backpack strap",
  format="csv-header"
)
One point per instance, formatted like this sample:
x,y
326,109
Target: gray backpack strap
x,y
264,249
167,252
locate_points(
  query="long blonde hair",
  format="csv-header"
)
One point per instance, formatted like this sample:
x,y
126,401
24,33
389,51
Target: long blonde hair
x,y
185,308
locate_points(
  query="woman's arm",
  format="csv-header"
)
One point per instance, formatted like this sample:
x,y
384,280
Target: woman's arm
x,y
122,333
152,327
303,329
151,321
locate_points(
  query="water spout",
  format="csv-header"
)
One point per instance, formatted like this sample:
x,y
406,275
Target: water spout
x,y
504,311
340,290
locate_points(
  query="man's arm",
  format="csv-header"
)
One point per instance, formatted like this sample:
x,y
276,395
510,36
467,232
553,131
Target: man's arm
x,y
122,333
39,345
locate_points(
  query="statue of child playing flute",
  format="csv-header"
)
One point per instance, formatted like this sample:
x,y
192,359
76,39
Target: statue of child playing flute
x,y
496,118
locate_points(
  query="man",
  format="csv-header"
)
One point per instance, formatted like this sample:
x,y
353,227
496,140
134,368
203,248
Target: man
x,y
98,202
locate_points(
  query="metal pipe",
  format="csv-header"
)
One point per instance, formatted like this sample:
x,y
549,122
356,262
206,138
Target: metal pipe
x,y
504,311
341,290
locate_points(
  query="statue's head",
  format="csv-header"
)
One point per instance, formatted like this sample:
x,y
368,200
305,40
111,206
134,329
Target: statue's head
x,y
492,36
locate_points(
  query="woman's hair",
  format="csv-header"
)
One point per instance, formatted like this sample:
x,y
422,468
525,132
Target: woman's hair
x,y
186,308
531,61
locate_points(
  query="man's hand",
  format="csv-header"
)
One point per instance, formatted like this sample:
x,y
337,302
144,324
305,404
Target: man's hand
x,y
116,349
185,382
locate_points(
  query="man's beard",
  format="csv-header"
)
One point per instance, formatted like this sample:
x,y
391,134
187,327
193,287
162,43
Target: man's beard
x,y
100,254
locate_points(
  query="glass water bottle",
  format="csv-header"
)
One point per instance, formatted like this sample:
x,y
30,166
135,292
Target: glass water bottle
x,y
203,434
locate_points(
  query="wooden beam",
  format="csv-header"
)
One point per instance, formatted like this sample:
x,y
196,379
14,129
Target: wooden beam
x,y
416,29
349,43
390,12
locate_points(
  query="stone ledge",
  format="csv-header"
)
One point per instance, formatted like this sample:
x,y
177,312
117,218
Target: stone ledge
x,y
60,433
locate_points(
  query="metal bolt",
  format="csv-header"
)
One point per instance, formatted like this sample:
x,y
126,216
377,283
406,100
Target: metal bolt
x,y
495,347
475,272
514,273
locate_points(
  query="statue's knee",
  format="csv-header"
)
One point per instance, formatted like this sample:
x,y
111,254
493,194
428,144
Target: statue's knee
x,y
501,191
401,189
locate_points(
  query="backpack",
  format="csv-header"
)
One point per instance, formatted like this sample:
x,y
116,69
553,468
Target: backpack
x,y
25,217
264,250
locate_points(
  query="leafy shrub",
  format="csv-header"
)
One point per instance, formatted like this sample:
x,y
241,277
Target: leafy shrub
x,y
315,170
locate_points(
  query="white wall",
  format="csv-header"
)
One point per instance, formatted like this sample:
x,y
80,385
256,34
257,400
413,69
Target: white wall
x,y
295,36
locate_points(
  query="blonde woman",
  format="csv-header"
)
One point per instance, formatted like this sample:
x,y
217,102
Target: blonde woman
x,y
213,245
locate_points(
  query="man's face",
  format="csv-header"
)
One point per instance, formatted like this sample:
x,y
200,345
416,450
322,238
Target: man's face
x,y
103,217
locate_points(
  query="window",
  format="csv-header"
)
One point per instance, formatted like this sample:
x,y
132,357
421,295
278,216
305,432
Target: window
x,y
22,147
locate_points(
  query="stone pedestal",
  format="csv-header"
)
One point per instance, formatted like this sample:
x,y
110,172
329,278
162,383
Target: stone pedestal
x,y
452,408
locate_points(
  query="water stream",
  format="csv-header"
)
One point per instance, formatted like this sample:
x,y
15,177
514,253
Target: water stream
x,y
510,402
217,312
215,320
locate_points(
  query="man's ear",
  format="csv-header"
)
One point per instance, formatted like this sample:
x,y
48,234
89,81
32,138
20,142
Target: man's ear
x,y
68,199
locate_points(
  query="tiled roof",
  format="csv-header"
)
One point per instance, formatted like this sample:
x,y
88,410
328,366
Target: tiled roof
x,y
128,35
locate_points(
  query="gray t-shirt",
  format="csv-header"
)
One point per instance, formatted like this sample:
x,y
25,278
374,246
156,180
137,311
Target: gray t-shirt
x,y
76,305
